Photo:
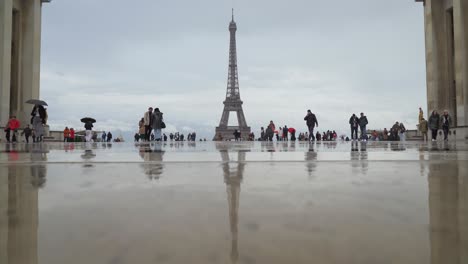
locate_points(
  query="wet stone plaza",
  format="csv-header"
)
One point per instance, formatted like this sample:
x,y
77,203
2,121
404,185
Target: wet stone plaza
x,y
232,202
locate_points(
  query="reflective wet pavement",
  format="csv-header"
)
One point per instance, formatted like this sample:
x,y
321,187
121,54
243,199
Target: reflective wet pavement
x,y
234,203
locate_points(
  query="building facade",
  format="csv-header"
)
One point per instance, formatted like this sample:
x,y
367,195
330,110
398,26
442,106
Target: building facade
x,y
20,48
446,25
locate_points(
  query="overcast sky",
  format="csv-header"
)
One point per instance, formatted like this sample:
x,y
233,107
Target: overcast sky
x,y
111,59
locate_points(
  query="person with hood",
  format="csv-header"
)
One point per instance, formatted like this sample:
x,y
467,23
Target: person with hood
x,y
354,123
434,122
446,121
38,120
109,136
157,124
423,127
362,124
148,119
27,132
311,122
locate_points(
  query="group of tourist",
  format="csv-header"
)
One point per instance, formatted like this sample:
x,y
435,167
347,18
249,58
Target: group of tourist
x,y
152,123
435,123
69,134
38,120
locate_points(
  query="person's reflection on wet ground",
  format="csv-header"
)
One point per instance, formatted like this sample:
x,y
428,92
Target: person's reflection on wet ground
x,y
39,167
89,155
311,161
152,156
363,157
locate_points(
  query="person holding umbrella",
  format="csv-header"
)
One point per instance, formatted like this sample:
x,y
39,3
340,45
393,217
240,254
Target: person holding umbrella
x,y
38,118
88,121
292,131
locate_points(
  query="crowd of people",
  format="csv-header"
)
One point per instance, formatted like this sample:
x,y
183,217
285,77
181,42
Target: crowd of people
x,y
152,123
38,120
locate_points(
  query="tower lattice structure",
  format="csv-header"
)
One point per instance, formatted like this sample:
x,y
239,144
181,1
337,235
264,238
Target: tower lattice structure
x,y
233,103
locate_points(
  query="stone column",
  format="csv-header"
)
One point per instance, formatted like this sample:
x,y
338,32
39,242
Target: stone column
x,y
460,12
30,57
436,55
6,12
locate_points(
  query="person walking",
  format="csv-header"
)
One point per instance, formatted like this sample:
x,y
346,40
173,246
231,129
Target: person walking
x,y
262,134
109,136
362,124
446,122
434,124
423,127
194,136
157,121
38,120
148,122
72,135
89,131
66,134
27,131
311,122
354,123
279,135
103,136
12,128
402,132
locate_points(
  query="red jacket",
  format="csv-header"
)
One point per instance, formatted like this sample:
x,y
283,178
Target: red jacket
x,y
72,133
13,124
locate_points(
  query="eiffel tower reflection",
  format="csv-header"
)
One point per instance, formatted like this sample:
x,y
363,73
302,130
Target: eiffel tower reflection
x,y
233,178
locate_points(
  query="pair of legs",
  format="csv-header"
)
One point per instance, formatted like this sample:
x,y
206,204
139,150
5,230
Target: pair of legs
x,y
402,137
424,134
446,130
89,135
363,133
354,133
148,133
311,133
434,134
8,135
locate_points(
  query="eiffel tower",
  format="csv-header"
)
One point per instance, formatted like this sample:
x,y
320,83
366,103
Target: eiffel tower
x,y
233,103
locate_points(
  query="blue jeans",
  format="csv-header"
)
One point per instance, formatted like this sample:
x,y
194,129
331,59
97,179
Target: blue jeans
x,y
363,132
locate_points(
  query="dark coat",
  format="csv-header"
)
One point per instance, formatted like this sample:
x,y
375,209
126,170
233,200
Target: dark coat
x,y
446,121
434,122
354,121
157,120
363,121
311,120
88,126
42,113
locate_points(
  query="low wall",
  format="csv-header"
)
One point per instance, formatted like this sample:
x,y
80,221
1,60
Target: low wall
x,y
456,133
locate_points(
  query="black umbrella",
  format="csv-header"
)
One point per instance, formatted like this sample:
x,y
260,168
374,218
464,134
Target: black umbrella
x,y
36,102
88,119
